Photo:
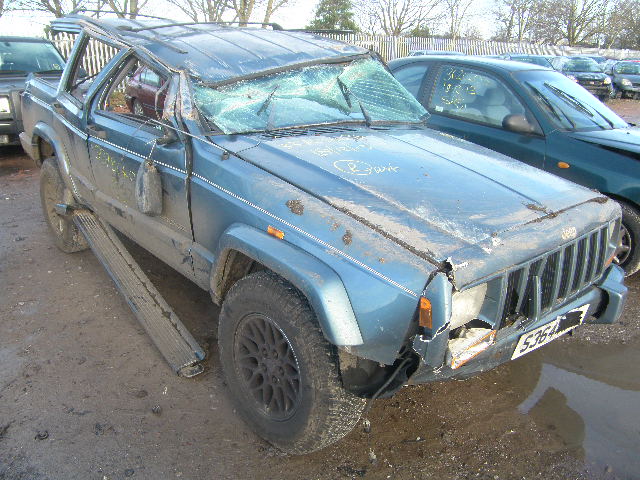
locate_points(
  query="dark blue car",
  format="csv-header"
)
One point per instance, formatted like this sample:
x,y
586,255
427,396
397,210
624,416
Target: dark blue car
x,y
538,116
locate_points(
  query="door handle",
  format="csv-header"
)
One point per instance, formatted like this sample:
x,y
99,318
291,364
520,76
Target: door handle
x,y
97,132
57,106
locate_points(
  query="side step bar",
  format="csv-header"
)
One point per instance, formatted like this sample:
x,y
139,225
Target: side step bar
x,y
164,327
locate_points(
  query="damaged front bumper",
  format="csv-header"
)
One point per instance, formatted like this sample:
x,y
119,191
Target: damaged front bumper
x,y
605,298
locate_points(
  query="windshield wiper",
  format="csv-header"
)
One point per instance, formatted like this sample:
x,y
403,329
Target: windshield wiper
x,y
13,72
53,70
550,106
347,94
267,101
578,104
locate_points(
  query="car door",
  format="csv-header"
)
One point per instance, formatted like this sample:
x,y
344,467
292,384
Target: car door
x,y
120,142
475,104
70,110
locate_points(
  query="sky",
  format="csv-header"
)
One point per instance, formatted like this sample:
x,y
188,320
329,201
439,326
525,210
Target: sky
x,y
296,15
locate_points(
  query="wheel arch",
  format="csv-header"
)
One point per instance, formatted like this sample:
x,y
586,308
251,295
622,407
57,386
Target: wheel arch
x,y
241,245
621,197
48,144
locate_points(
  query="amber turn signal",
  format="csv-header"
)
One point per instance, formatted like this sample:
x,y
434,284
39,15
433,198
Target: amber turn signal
x,y
563,165
424,319
275,232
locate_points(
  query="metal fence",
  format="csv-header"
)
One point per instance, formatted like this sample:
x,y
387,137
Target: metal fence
x,y
396,47
387,46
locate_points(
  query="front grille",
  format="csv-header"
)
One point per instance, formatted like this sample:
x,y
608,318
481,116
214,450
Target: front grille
x,y
536,287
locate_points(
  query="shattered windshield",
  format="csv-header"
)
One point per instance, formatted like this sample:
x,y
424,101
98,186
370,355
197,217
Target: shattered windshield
x,y
361,91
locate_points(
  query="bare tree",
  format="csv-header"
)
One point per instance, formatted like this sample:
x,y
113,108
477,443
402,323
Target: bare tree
x,y
622,25
59,8
202,10
456,12
395,17
243,10
514,19
575,22
272,6
124,8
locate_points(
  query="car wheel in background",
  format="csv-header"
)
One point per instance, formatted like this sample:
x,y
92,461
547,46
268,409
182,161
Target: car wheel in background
x,y
52,192
628,254
137,108
281,371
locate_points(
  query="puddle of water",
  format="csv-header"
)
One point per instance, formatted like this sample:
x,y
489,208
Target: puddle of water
x,y
589,395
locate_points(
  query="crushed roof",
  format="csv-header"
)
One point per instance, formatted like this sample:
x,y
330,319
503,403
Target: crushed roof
x,y
215,52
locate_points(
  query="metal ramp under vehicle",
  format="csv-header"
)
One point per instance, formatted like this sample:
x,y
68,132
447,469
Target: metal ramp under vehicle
x,y
164,327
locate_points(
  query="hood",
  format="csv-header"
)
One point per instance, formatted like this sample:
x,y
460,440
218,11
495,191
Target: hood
x,y
10,82
631,77
429,192
587,75
627,139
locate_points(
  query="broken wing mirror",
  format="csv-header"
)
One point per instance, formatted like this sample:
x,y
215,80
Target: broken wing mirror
x,y
519,124
168,137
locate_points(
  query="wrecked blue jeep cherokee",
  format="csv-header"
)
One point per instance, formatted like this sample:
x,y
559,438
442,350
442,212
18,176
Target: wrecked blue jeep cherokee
x,y
353,250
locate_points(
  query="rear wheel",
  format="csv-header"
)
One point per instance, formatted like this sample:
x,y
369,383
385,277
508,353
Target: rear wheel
x,y
52,192
628,254
281,371
137,108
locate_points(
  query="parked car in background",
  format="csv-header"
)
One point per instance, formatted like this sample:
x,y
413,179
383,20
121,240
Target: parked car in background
x,y
352,248
145,93
417,53
20,56
586,72
538,116
625,79
599,59
539,60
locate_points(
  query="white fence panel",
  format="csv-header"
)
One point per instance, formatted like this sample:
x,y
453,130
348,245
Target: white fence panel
x,y
388,47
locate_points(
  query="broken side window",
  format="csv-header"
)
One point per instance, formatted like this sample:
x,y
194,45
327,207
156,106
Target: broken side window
x,y
137,91
361,91
90,61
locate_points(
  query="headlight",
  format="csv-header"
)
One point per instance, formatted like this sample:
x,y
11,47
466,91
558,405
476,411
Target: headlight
x,y
5,106
571,77
466,305
626,82
607,81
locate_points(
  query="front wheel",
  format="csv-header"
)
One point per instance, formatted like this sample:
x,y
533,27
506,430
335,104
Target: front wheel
x,y
52,192
604,98
281,371
628,254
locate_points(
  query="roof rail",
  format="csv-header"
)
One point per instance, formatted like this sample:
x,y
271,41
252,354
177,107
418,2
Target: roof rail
x,y
275,26
322,30
89,10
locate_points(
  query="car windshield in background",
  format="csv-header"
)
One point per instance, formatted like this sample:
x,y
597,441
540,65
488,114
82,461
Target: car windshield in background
x,y
361,91
543,62
569,105
581,65
627,68
27,57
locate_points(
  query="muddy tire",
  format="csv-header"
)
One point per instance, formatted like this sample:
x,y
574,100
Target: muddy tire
x,y
53,191
137,108
628,256
282,373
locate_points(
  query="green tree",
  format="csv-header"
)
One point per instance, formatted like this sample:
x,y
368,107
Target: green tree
x,y
334,15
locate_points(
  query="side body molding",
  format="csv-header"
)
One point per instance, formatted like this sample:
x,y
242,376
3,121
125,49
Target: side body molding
x,y
316,280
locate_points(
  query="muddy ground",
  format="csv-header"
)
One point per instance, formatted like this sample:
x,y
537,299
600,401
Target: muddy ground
x,y
79,381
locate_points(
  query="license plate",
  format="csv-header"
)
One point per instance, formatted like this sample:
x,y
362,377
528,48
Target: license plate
x,y
550,331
